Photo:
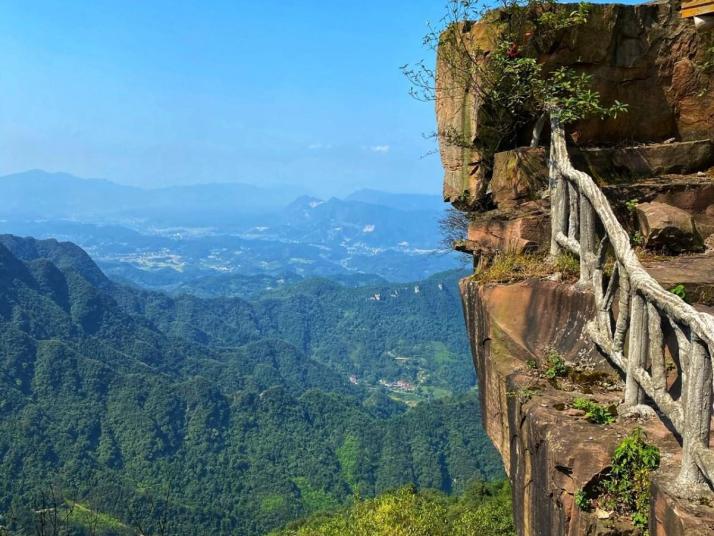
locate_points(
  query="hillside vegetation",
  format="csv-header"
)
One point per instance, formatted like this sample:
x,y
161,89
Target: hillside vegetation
x,y
220,416
483,510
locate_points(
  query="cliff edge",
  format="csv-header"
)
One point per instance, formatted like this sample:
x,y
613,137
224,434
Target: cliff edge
x,y
590,307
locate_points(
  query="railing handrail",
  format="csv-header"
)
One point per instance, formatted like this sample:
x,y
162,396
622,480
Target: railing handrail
x,y
620,241
576,203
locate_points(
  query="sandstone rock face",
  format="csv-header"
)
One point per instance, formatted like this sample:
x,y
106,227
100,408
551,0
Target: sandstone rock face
x,y
666,227
517,235
645,56
549,454
694,272
626,163
518,175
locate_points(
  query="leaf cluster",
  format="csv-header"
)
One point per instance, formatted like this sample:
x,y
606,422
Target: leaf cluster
x,y
626,487
555,365
594,412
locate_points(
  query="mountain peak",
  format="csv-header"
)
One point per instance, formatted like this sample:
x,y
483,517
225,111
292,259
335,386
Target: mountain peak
x,y
64,255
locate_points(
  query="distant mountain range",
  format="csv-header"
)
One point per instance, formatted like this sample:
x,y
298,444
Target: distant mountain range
x,y
40,194
164,238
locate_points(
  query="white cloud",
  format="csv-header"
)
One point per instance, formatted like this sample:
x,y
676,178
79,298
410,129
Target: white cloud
x,y
379,148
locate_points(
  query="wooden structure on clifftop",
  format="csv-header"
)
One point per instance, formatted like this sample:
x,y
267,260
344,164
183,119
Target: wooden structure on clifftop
x,y
697,8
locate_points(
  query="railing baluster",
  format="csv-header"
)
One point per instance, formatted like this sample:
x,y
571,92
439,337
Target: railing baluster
x,y
636,350
612,286
697,410
587,242
573,212
577,204
623,313
656,343
559,215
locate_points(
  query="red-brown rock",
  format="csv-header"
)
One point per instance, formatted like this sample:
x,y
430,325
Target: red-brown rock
x,y
547,454
516,235
668,228
643,55
518,176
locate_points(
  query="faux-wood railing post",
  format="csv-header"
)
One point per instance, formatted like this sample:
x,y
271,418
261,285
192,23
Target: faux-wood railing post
x,y
697,411
587,242
636,350
558,213
643,306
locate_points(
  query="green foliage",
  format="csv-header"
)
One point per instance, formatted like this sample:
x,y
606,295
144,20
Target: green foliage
x,y
594,412
222,416
637,239
679,290
553,19
568,94
522,395
514,89
555,365
567,264
631,205
510,266
582,501
483,509
626,487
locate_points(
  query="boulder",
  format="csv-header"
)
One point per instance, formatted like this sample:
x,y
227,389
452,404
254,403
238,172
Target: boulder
x,y
611,164
668,228
518,175
643,55
516,235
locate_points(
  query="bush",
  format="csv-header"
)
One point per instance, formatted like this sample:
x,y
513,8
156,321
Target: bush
x,y
626,486
483,509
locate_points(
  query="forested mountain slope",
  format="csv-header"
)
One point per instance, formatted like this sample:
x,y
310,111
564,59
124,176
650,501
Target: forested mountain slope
x,y
224,416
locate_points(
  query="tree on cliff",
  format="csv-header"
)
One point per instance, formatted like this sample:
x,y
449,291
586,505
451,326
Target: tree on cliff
x,y
496,62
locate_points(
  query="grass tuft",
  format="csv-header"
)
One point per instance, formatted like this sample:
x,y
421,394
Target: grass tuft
x,y
508,267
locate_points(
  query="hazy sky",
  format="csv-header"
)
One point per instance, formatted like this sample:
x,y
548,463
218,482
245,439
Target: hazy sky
x,y
169,92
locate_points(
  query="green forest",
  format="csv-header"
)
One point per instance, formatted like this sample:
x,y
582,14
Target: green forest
x,y
124,411
483,509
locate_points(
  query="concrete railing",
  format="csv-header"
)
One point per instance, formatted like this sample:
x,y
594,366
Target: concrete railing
x,y
633,311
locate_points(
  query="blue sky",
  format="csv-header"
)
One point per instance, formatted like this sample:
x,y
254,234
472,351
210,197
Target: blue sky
x,y
156,92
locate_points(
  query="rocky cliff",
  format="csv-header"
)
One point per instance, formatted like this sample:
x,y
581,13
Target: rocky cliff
x,y
646,56
525,309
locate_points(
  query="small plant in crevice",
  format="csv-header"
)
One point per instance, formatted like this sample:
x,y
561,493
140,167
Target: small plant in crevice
x,y
679,290
637,239
631,206
532,364
522,395
582,501
567,264
594,412
625,488
555,365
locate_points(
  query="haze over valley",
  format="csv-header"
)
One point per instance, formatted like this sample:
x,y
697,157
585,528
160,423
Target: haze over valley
x,y
169,237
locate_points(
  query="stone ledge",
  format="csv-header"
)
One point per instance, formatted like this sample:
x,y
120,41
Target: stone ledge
x,y
520,175
607,165
547,454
